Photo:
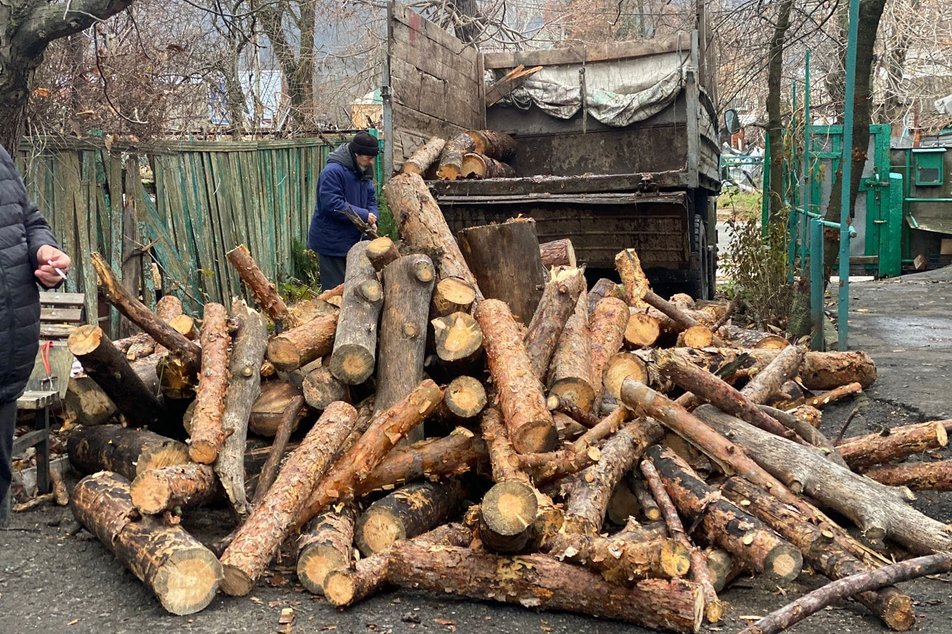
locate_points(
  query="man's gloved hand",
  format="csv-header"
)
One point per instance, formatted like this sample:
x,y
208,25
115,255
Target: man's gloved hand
x,y
372,219
50,258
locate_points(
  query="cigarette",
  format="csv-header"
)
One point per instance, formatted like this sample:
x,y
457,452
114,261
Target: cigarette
x,y
58,270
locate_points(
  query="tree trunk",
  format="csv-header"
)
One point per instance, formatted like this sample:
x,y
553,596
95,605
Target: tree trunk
x,y
244,386
452,295
570,377
451,160
424,156
142,344
528,421
312,340
724,524
497,145
191,484
321,388
774,115
267,413
112,372
464,398
381,252
918,476
622,561
892,444
208,435
406,513
355,344
600,290
506,262
544,582
557,304
182,573
557,253
268,525
608,324
478,166
264,292
127,452
649,506
621,366
325,546
85,403
289,418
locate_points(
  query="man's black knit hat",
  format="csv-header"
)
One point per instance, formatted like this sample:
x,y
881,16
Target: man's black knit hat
x,y
364,144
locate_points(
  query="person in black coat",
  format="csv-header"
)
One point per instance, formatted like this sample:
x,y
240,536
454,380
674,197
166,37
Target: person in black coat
x,y
28,254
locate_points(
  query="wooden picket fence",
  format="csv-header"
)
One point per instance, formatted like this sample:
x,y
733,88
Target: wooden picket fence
x,y
176,206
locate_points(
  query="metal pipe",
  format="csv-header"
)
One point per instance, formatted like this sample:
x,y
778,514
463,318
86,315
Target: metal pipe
x,y
816,282
807,171
795,192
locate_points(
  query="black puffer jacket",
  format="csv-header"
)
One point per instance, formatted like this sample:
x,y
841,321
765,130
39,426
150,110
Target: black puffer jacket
x,y
22,231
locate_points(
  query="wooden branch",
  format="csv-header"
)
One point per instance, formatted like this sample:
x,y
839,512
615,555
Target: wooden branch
x,y
608,324
834,395
892,444
405,513
570,375
451,160
269,471
633,277
424,156
44,23
264,292
505,84
768,381
918,476
207,434
299,346
619,559
557,304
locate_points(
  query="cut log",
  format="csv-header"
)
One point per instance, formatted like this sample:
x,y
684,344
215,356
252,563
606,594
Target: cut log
x,y
207,434
185,324
543,582
356,464
600,290
528,421
586,419
424,156
608,324
325,546
621,366
699,336
824,555
592,488
127,452
918,476
879,511
557,253
748,338
308,310
459,339
405,513
505,260
497,145
244,386
478,166
649,506
177,380
423,227
346,587
293,411
892,444
451,159
768,382
570,377
558,302
381,252
85,403
633,277
142,344
264,292
622,560
112,372
722,523
321,388
355,345
827,595
299,346
812,435
642,330
158,490
465,397
722,566
407,286
452,295
834,395
183,574
268,409
268,525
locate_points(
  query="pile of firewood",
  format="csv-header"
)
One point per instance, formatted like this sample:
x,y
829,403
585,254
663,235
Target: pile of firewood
x,y
474,419
474,154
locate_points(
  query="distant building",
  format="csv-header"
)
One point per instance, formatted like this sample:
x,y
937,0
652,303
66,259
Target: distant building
x,y
266,102
367,111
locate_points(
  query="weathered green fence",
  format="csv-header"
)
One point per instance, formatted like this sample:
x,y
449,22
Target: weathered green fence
x,y
179,205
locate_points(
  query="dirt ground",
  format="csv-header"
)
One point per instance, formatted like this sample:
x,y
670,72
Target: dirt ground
x,y
55,578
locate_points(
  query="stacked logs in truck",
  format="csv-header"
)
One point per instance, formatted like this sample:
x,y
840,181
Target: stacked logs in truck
x,y
611,468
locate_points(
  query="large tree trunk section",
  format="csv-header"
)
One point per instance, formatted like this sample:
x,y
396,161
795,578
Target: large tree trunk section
x,y
423,227
85,403
505,260
570,378
557,253
642,330
182,573
434,458
608,324
357,463
112,372
497,145
893,444
268,409
381,252
553,311
158,490
827,595
479,166
528,421
293,411
592,488
459,340
321,388
424,156
633,277
299,346
355,346
452,295
825,556
464,398
244,386
621,366
879,511
724,524
544,582
451,160
264,292
405,513
207,435
770,379
268,525
407,287
135,311
325,546
348,586
127,452
918,476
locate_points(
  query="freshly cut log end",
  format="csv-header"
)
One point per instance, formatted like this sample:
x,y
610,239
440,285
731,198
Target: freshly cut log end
x,y
325,546
574,390
125,451
269,407
642,330
699,336
406,513
465,397
458,337
158,490
185,324
321,388
424,156
478,166
352,364
452,295
301,345
622,366
507,513
381,252
451,160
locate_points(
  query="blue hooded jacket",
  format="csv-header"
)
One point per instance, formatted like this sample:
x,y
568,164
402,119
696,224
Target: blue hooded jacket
x,y
341,183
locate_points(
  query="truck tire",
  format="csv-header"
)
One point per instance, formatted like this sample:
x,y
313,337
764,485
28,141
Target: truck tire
x,y
700,278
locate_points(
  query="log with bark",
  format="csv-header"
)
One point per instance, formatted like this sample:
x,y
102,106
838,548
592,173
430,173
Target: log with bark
x,y
570,375
381,252
127,452
918,476
207,435
157,490
355,344
893,444
497,145
557,304
649,506
85,403
608,323
603,288
409,511
459,340
268,525
834,395
633,278
183,574
141,345
424,156
557,253
268,409
464,398
293,411
527,419
264,292
642,330
768,382
299,346
451,159
452,295
479,166
321,388
325,546
505,260
621,366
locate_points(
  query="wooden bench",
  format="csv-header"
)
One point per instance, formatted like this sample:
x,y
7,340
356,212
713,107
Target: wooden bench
x,y
59,314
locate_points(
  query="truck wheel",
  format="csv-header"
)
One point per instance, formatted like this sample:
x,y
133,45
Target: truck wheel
x,y
700,285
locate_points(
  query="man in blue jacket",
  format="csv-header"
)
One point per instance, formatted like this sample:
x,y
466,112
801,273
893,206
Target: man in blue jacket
x,y
346,184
